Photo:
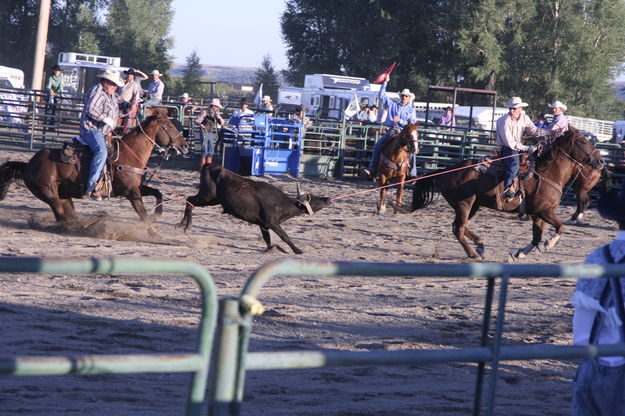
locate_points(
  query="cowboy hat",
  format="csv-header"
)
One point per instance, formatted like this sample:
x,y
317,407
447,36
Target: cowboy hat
x,y
111,75
155,72
557,104
244,101
215,102
184,95
266,98
611,205
515,102
55,68
406,92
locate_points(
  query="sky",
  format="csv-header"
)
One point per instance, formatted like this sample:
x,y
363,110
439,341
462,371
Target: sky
x,y
232,33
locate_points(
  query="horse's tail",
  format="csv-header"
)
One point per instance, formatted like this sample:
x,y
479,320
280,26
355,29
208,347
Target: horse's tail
x,y
423,191
10,172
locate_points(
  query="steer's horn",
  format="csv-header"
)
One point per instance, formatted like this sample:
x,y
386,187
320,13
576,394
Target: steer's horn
x,y
298,191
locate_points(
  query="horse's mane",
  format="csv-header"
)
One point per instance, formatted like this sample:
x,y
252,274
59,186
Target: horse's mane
x,y
564,142
143,125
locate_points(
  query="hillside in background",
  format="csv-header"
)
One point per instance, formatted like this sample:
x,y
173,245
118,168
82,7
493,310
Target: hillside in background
x,y
233,74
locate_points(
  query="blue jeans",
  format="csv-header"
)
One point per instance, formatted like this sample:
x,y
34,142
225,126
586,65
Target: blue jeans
x,y
208,143
95,140
377,149
598,390
511,164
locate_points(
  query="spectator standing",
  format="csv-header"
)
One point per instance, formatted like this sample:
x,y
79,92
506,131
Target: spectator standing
x,y
155,90
54,92
598,320
266,104
373,114
208,122
240,112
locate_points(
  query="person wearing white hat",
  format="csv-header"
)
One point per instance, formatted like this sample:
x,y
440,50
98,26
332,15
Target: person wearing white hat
x,y
130,95
155,90
510,131
208,121
265,103
559,125
399,115
99,118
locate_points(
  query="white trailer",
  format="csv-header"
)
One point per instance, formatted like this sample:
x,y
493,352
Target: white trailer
x,y
329,95
80,69
13,76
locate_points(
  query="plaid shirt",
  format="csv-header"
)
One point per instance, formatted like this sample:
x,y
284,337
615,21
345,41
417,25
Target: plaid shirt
x,y
98,106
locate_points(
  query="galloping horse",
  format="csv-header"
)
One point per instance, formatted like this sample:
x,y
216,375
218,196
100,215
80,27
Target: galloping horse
x,y
586,178
56,182
466,190
395,162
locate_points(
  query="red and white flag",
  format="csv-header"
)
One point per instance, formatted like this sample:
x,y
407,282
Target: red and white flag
x,y
381,77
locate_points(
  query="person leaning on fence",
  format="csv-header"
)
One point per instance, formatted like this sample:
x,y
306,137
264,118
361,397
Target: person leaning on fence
x,y
265,104
240,112
510,130
208,120
300,115
399,115
599,384
373,113
54,92
155,90
129,96
99,118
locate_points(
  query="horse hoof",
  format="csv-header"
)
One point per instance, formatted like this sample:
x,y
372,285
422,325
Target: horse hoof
x,y
520,254
480,251
378,212
511,258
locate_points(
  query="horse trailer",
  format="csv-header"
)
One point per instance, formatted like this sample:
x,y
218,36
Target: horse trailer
x,y
80,69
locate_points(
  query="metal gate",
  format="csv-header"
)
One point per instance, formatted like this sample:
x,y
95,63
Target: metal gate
x,y
236,316
196,363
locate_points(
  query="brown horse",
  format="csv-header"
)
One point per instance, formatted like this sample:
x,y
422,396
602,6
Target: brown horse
x,y
56,182
583,181
395,162
466,190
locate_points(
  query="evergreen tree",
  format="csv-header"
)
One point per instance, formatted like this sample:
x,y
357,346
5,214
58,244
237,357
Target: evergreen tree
x,y
192,76
267,76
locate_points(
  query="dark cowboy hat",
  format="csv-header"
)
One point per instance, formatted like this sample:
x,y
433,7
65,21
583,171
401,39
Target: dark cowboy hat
x,y
611,205
244,101
55,68
129,71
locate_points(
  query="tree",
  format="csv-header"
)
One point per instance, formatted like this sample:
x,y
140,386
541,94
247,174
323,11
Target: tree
x,y
267,76
137,31
192,75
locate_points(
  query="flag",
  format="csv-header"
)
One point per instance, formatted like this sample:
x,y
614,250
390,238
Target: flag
x,y
388,71
353,107
259,96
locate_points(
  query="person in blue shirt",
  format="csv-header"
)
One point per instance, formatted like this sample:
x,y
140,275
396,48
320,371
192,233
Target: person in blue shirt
x,y
399,115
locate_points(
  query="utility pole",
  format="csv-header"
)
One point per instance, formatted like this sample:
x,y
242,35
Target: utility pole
x,y
40,45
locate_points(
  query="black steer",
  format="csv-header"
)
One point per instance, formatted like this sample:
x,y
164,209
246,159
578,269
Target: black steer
x,y
252,201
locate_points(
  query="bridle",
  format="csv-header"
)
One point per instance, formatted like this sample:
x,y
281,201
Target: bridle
x,y
170,145
588,156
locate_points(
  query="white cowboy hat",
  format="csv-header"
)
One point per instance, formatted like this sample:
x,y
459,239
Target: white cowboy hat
x,y
557,104
215,102
266,98
407,92
111,75
185,95
515,102
155,72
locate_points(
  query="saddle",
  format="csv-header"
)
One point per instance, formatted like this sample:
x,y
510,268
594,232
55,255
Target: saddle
x,y
79,155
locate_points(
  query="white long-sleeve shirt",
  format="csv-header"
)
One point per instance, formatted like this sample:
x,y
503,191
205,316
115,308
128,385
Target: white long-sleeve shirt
x,y
510,131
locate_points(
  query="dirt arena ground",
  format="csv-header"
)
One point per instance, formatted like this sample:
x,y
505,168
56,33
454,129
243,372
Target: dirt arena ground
x,y
66,314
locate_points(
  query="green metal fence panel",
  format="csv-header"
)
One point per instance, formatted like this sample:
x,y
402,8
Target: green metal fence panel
x,y
197,363
490,350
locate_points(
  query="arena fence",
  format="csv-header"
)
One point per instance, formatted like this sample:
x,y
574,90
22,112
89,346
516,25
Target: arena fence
x,y
196,363
236,319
